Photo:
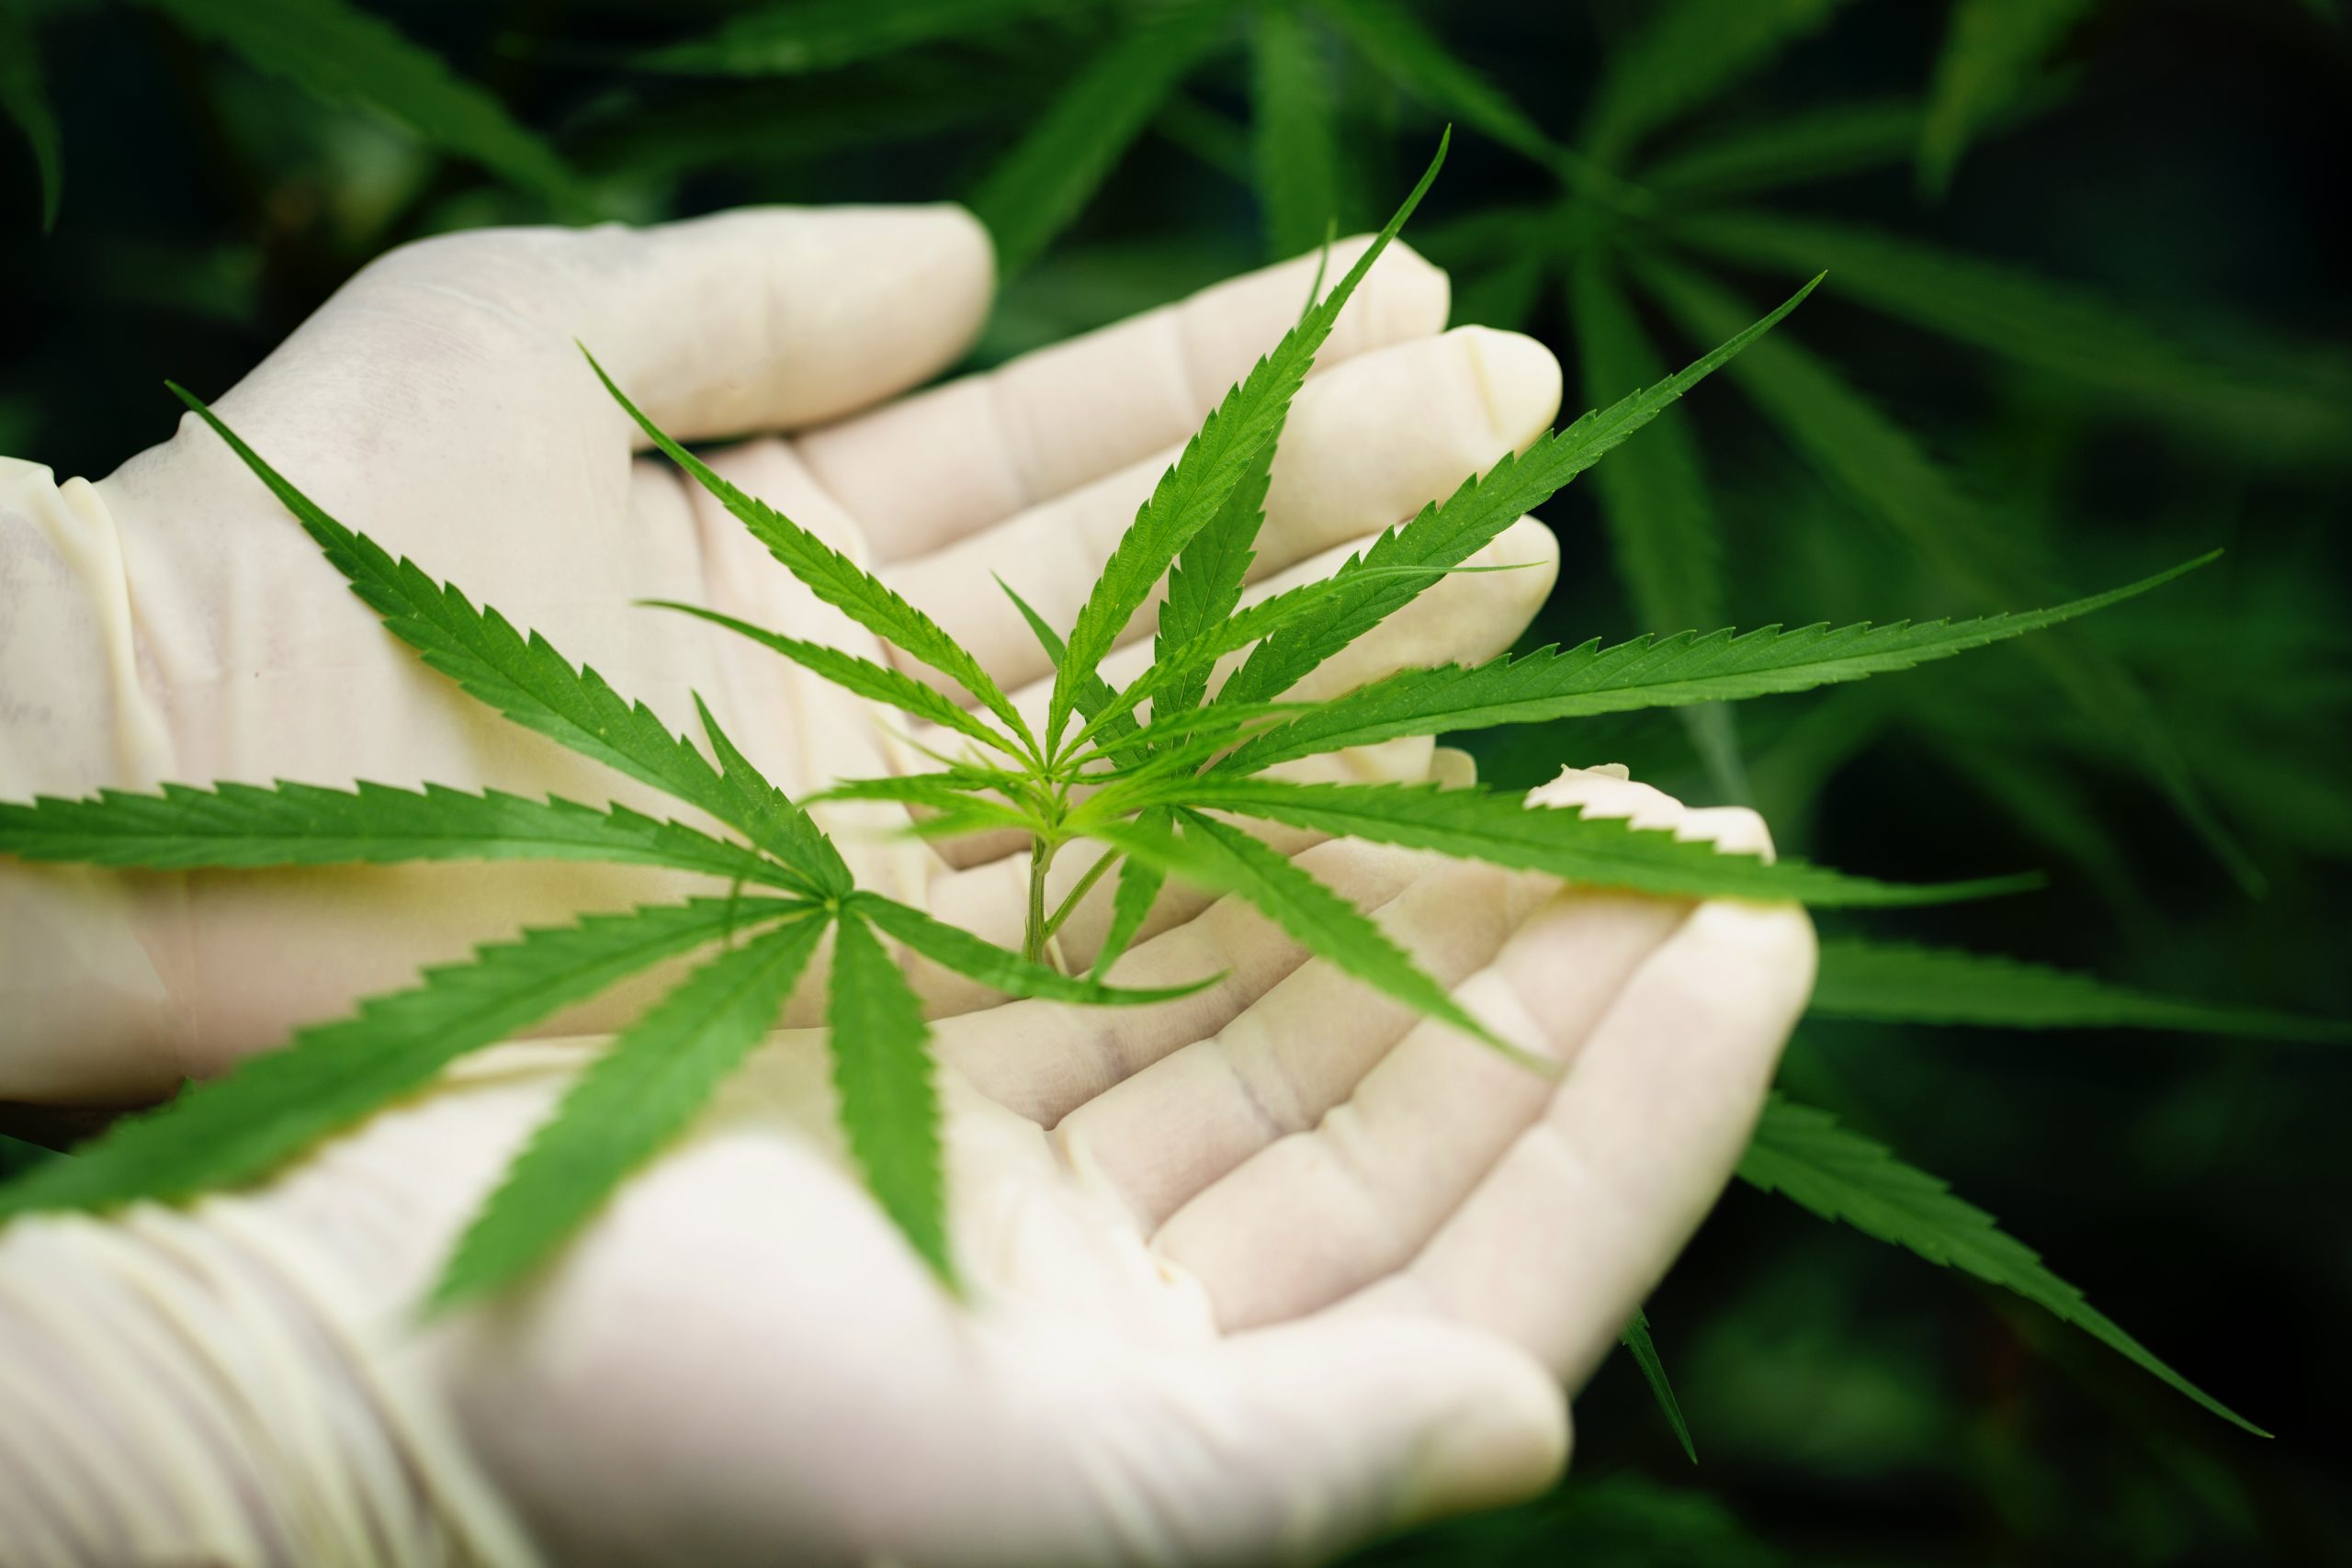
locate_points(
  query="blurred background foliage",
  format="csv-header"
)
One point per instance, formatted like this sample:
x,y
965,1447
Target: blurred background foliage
x,y
2086,317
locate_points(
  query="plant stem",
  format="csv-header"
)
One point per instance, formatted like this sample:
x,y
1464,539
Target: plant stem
x,y
1032,936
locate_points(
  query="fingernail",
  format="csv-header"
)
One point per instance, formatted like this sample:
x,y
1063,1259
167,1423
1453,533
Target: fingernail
x,y
1520,380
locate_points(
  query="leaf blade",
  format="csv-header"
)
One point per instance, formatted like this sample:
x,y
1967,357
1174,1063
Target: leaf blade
x,y
1001,968
1644,1349
889,1102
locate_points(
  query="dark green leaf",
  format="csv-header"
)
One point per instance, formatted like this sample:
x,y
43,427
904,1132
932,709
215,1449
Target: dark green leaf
x,y
1637,1340
1993,53
24,98
1688,52
1298,137
807,35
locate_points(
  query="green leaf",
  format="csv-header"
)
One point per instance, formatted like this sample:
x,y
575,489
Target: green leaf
x,y
833,577
1688,54
272,1107
1219,456
1092,696
341,55
999,969
296,824
1645,673
1636,1339
808,36
889,1106
527,680
1662,527
24,98
1445,535
1804,1155
2280,410
1401,49
1993,53
1813,144
1035,191
1226,859
1475,824
875,682
1900,983
774,821
1297,135
630,1102
1131,900
1869,456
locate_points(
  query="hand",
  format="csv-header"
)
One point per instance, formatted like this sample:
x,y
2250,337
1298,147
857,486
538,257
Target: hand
x,y
440,404
1253,1277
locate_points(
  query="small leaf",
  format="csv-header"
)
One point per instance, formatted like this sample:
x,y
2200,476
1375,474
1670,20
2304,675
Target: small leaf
x,y
527,680
1445,535
1807,1157
832,576
238,1128
629,1103
774,821
1219,456
1900,983
1690,51
340,55
999,968
1478,824
238,824
1139,888
808,36
1667,671
1036,189
1297,140
889,1106
1226,859
1992,51
24,98
1637,1340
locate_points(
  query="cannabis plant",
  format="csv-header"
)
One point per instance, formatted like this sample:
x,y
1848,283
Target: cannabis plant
x,y
1160,778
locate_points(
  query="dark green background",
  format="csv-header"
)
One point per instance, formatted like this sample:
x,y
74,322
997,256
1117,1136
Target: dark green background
x,y
2189,160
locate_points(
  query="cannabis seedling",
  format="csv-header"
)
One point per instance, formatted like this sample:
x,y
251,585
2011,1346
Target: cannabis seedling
x,y
1155,773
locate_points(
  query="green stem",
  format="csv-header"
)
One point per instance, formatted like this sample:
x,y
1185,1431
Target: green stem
x,y
1032,938
1068,904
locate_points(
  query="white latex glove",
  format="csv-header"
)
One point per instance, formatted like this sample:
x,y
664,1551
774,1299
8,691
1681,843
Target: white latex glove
x,y
1255,1276
172,622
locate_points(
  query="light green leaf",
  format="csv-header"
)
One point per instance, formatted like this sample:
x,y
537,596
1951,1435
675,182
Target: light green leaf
x,y
875,682
774,821
1993,53
272,1107
999,969
1224,860
890,1105
1219,456
1645,673
1131,900
527,680
24,98
1900,983
1092,696
1806,1156
631,1102
1297,135
243,825
1445,535
1690,50
1401,49
807,35
833,577
1661,520
1035,190
1636,1339
1475,824
1861,451
2282,410
340,54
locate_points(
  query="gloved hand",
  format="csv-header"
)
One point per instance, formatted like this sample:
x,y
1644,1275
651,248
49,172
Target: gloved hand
x,y
1254,1275
171,623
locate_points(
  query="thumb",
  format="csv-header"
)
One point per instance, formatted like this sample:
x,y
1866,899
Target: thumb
x,y
770,318
1329,1431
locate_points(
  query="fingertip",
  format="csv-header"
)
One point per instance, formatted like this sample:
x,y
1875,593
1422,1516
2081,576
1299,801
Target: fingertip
x,y
1520,380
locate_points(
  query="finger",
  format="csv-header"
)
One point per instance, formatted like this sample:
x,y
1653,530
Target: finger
x,y
1332,1201
1579,1218
763,319
1321,1434
933,467
1044,1059
1366,446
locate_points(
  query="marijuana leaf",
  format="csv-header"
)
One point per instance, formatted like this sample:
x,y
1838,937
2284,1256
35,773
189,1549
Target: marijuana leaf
x,y
882,1072
1636,1339
1992,52
1806,1156
1297,135
24,98
632,1100
1900,983
818,35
